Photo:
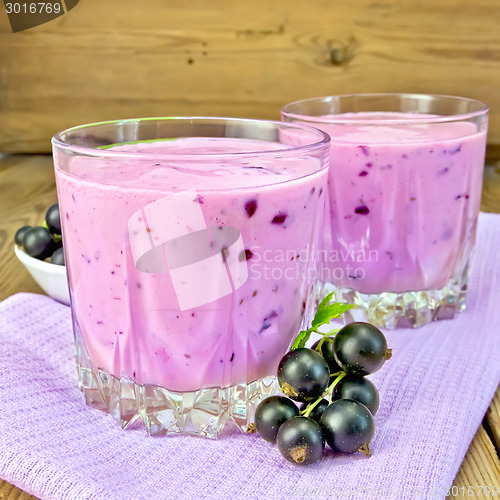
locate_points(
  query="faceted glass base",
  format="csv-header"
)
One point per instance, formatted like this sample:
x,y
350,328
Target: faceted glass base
x,y
408,309
203,412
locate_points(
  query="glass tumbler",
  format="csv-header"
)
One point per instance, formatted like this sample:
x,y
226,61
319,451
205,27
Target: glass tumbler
x,y
404,194
190,248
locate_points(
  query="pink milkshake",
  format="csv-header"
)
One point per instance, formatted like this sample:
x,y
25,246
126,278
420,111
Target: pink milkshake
x,y
404,196
186,270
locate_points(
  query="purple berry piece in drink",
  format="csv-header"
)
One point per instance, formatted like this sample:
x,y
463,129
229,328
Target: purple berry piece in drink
x,y
250,207
280,218
362,210
455,150
246,254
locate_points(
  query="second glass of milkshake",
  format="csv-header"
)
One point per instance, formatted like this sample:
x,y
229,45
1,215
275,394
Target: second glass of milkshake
x,y
405,186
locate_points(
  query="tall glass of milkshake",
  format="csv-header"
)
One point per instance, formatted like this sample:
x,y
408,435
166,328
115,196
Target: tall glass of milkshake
x,y
191,250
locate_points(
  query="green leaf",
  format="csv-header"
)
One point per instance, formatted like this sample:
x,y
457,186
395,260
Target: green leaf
x,y
301,339
326,311
324,314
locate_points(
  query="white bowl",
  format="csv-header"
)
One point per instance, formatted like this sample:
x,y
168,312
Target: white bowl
x,y
51,278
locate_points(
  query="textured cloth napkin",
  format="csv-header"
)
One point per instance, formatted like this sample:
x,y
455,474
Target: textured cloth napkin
x,y
434,393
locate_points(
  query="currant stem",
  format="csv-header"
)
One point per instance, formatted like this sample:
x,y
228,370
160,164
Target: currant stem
x,y
320,344
328,391
311,407
325,337
328,335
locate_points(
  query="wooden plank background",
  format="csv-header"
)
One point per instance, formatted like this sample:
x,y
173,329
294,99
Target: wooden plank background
x,y
124,58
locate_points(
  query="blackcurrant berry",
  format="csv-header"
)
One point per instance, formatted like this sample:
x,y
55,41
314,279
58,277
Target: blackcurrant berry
x,y
360,348
317,411
360,389
271,413
37,242
58,257
53,219
326,351
348,426
18,237
303,374
301,441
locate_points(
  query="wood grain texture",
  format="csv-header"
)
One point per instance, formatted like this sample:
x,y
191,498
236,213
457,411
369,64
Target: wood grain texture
x,y
10,492
124,59
481,466
27,188
493,421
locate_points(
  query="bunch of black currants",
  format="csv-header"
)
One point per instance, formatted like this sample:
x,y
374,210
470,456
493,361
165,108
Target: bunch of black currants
x,y
328,379
43,242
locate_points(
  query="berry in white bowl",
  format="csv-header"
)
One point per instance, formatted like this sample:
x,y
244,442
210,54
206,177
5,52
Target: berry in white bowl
x,y
51,278
40,249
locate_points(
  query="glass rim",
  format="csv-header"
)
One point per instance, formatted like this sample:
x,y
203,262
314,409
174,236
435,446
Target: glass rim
x,y
483,109
322,138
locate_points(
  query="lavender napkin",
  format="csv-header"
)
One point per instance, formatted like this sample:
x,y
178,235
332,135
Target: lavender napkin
x,y
434,393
